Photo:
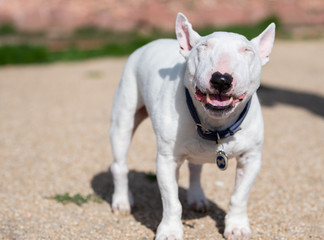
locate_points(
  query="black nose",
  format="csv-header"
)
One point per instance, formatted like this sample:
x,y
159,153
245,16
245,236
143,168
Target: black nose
x,y
221,82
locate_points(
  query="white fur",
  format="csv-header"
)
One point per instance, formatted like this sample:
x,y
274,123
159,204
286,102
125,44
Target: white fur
x,y
154,78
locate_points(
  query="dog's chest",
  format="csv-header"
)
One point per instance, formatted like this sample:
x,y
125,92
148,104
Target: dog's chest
x,y
200,151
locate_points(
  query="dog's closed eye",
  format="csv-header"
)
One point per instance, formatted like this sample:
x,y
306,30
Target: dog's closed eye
x,y
247,50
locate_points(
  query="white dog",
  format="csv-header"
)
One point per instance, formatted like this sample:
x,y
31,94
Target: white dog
x,y
204,108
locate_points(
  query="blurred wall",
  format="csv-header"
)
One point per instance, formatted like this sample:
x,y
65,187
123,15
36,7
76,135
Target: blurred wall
x,y
67,15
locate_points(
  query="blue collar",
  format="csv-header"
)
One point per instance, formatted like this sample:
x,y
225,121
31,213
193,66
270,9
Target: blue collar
x,y
215,135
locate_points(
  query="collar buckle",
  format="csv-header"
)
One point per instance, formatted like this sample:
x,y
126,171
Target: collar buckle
x,y
203,129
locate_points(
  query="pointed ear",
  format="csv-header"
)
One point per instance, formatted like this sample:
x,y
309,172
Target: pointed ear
x,y
264,43
186,36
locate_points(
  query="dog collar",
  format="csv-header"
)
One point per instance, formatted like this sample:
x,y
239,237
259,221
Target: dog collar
x,y
215,135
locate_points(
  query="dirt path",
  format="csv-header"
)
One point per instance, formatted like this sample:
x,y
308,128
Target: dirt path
x,y
54,122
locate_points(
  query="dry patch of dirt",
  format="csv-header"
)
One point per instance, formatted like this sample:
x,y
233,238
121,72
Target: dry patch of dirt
x,y
54,122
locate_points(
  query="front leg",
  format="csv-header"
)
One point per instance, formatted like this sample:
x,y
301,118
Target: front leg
x,y
236,221
167,171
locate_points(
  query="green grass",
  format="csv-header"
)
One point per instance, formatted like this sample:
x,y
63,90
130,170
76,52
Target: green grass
x,y
77,199
16,54
7,29
114,43
151,177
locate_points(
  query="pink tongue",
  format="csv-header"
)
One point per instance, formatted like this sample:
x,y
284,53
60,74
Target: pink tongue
x,y
214,99
218,100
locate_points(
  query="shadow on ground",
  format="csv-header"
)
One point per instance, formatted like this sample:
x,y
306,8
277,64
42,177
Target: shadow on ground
x,y
270,96
148,205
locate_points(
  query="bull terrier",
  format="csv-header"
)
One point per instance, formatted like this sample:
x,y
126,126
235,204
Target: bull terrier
x,y
200,93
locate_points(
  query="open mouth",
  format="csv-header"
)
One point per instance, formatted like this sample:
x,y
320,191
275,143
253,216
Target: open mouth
x,y
218,102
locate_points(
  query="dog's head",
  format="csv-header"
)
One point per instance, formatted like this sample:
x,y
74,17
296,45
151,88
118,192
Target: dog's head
x,y
223,69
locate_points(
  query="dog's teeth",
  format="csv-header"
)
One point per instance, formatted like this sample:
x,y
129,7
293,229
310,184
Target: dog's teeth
x,y
230,101
208,97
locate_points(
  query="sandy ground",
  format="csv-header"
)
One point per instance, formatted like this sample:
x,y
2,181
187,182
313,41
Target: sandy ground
x,y
54,122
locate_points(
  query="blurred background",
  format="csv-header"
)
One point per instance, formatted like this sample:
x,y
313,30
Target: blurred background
x,y
54,118
52,30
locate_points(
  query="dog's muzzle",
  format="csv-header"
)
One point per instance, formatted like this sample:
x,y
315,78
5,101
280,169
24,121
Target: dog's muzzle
x,y
218,103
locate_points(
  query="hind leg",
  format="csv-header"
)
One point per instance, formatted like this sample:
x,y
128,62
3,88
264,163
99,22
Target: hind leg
x,y
126,116
195,194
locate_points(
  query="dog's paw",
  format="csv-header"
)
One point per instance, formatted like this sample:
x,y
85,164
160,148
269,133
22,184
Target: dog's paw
x,y
238,234
121,208
197,201
170,231
121,205
237,228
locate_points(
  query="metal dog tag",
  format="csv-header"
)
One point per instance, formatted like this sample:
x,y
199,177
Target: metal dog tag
x,y
221,160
